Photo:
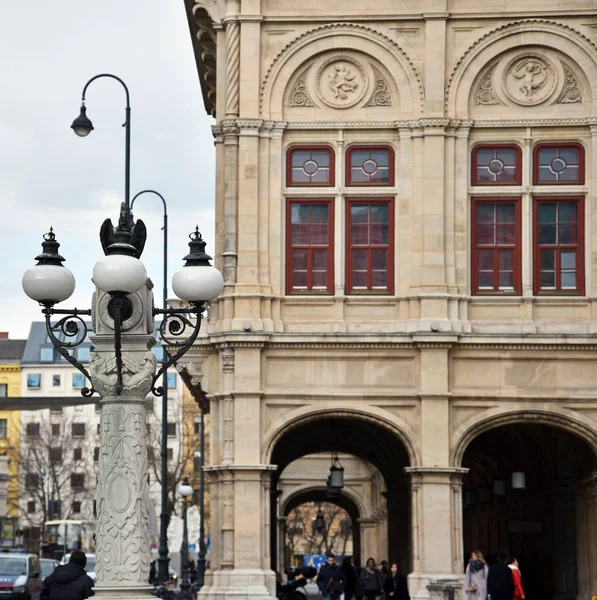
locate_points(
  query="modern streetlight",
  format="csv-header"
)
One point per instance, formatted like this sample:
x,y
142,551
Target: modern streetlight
x,y
163,559
185,491
122,369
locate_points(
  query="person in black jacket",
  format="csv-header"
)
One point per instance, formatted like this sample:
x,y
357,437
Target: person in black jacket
x,y
70,581
350,578
500,584
395,586
330,579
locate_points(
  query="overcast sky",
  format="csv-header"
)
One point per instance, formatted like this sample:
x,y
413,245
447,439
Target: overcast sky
x,y
51,177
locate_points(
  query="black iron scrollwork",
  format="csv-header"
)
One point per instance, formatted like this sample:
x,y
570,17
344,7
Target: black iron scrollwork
x,y
172,329
72,327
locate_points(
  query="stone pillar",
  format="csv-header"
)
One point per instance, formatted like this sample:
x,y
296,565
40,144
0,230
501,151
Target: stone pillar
x,y
586,534
435,552
123,540
565,581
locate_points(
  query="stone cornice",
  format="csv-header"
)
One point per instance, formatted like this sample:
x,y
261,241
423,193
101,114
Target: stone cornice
x,y
379,18
415,124
203,36
400,342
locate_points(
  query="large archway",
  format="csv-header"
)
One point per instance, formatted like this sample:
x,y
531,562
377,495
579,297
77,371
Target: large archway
x,y
524,494
366,439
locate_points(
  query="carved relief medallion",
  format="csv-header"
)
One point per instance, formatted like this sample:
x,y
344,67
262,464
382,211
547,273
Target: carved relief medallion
x,y
341,82
530,79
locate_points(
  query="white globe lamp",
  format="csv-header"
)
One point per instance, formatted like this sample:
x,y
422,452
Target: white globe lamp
x,y
197,281
49,282
119,274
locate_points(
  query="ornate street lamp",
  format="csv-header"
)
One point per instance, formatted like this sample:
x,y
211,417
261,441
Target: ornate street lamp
x,y
122,369
185,491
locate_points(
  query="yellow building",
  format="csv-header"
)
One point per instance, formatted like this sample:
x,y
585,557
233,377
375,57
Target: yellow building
x,y
11,352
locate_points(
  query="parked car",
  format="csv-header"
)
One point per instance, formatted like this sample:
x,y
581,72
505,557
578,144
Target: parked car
x,y
47,567
89,567
20,576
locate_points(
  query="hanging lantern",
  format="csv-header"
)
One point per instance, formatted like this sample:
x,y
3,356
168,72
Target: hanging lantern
x,y
319,521
499,487
485,495
332,492
519,480
336,473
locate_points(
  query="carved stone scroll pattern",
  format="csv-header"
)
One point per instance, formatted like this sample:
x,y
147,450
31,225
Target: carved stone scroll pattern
x,y
571,93
381,92
123,535
232,67
485,93
300,94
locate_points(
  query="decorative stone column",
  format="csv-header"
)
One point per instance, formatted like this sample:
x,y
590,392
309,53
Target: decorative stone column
x,y
436,529
122,539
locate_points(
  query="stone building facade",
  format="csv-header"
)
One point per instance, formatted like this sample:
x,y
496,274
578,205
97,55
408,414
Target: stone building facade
x,y
405,219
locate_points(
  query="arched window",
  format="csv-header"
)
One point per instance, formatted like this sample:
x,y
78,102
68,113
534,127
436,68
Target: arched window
x,y
559,164
496,164
310,166
370,165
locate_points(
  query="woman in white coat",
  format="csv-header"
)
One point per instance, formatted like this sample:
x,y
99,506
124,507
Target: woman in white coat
x,y
475,583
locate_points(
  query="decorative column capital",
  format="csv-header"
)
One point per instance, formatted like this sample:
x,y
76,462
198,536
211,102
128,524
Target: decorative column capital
x,y
437,475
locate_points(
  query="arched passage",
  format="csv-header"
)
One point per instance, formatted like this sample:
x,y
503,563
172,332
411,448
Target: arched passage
x,y
364,438
526,493
319,495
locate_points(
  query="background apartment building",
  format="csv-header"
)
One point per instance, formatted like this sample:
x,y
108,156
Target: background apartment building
x,y
59,445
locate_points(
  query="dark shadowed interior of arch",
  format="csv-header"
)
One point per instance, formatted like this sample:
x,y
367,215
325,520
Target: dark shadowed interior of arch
x,y
367,440
536,523
344,502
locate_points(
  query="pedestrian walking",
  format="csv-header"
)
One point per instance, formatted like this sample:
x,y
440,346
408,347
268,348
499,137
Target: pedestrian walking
x,y
475,580
350,578
330,579
517,578
359,587
500,582
372,580
395,586
70,581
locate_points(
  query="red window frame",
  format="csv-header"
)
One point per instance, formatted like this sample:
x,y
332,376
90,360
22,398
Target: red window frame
x,y
290,290
579,248
556,146
293,149
516,248
474,164
389,290
391,165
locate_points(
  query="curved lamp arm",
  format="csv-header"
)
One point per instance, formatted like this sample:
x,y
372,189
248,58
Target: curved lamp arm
x,y
126,90
127,126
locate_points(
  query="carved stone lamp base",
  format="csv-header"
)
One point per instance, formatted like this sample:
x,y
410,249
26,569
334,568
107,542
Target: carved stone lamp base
x,y
124,593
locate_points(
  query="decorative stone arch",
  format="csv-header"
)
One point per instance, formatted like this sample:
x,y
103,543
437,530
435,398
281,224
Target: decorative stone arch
x,y
305,491
529,32
396,426
328,37
467,433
